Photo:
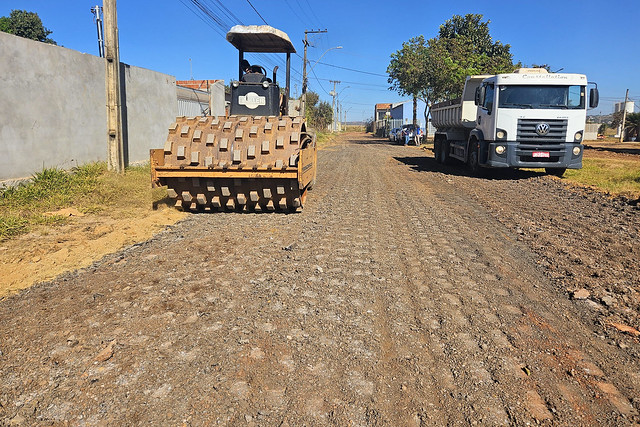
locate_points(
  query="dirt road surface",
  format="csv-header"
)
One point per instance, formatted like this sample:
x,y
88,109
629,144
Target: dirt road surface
x,y
406,293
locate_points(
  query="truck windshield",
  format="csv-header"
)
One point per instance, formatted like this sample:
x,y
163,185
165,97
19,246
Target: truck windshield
x,y
549,97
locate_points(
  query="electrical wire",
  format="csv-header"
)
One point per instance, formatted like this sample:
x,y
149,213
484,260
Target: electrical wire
x,y
361,84
256,10
203,17
320,84
354,70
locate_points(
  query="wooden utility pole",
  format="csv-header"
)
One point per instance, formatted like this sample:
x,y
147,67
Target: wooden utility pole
x,y
624,115
114,107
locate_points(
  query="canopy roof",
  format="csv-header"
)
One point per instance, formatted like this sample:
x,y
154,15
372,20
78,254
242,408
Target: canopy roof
x,y
260,38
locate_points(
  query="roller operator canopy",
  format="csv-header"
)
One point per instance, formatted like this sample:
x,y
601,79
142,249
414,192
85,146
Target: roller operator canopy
x,y
260,38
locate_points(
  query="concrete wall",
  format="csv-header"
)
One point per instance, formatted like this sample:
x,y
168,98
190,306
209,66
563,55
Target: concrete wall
x,y
591,131
53,108
149,106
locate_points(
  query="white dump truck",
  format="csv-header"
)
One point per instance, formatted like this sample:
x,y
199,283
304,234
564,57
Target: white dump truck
x,y
526,119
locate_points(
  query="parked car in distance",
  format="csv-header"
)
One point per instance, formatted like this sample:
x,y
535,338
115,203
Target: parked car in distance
x,y
394,134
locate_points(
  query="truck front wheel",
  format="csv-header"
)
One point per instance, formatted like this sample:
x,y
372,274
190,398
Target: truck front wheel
x,y
472,157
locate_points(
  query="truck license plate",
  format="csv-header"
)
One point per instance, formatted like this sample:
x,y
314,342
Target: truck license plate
x,y
541,154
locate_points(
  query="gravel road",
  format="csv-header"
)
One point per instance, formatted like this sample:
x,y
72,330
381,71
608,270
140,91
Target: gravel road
x,y
406,293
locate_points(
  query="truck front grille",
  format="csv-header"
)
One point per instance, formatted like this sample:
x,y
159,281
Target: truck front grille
x,y
527,131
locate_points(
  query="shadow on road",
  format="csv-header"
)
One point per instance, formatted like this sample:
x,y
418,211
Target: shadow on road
x,y
429,164
371,141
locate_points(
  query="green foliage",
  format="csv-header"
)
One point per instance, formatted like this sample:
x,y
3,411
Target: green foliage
x,y
545,66
437,69
49,189
11,225
616,119
89,189
26,24
318,113
465,47
408,73
5,24
632,126
602,128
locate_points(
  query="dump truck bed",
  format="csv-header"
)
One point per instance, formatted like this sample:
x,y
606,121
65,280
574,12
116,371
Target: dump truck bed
x,y
459,112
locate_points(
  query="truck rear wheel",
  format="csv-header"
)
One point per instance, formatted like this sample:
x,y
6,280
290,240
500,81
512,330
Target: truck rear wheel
x,y
441,151
437,150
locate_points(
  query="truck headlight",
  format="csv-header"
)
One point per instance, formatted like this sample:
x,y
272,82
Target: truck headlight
x,y
576,151
500,149
265,84
578,136
501,134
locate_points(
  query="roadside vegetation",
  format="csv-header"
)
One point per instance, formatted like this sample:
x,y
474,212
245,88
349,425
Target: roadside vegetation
x,y
616,176
88,189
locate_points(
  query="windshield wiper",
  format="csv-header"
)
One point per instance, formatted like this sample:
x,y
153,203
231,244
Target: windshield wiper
x,y
508,105
562,106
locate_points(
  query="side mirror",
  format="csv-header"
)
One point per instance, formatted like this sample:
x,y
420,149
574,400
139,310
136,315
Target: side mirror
x,y
477,98
594,97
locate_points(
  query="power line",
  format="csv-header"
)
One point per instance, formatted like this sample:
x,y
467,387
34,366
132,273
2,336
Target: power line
x,y
348,69
256,10
351,69
312,11
294,11
320,84
362,84
221,19
203,17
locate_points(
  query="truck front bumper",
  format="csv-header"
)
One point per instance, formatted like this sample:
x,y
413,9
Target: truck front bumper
x,y
517,155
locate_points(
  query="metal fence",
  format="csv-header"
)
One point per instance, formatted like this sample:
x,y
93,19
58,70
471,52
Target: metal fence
x,y
191,108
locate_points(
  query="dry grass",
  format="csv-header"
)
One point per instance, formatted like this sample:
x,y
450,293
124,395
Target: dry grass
x,y
89,189
615,175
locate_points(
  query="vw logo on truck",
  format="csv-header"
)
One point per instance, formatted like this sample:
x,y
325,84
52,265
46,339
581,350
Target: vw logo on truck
x,y
542,129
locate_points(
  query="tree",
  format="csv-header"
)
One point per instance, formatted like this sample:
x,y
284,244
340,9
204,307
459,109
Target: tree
x,y
602,129
409,74
616,119
26,24
545,66
437,69
5,24
318,113
632,126
465,47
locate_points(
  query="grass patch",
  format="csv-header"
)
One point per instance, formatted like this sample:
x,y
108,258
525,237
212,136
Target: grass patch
x,y
89,189
616,176
324,138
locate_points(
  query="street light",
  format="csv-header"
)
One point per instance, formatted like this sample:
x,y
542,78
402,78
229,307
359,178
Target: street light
x,y
325,52
304,74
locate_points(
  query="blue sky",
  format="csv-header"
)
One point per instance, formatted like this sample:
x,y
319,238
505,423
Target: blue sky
x,y
580,36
